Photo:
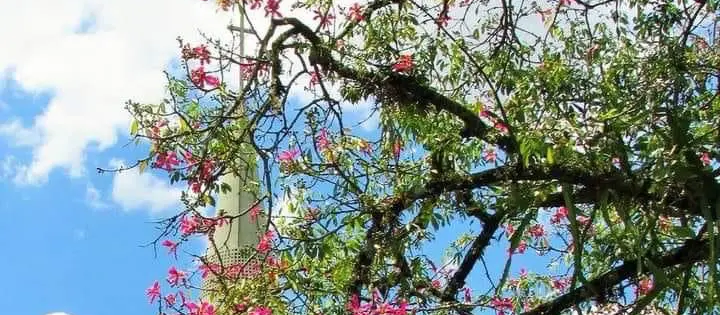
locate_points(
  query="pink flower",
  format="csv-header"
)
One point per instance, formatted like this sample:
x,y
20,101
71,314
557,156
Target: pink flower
x,y
322,140
155,129
314,78
559,215
255,4
189,225
189,159
262,310
400,309
509,230
502,305
523,273
404,63
397,149
153,291
254,212
705,158
248,68
485,114
175,276
560,284
199,77
501,127
583,220
172,247
240,307
325,19
170,299
206,309
355,13
520,249
206,269
644,286
166,160
202,53
489,156
288,156
272,7
436,284
443,19
537,231
467,294
195,186
265,242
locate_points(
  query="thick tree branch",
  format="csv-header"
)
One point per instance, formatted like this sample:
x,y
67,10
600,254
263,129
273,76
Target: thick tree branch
x,y
692,251
490,226
407,86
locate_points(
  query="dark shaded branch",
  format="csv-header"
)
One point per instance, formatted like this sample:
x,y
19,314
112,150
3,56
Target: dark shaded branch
x,y
692,251
476,251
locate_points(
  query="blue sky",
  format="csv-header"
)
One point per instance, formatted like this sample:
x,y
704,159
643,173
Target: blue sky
x,y
73,238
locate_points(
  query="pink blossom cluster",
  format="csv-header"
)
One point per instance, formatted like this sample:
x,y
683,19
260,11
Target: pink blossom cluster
x,y
287,157
265,242
643,287
272,7
169,161
199,308
377,306
355,13
247,69
191,224
204,174
502,305
560,284
155,129
326,18
199,76
500,126
404,64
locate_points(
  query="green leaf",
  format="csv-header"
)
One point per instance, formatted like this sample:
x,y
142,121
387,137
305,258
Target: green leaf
x,y
550,155
134,127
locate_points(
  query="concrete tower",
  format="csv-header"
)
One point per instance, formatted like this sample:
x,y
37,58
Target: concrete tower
x,y
234,243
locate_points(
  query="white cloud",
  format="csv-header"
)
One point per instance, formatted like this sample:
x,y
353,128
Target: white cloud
x,y
133,190
93,197
91,74
7,167
58,313
20,135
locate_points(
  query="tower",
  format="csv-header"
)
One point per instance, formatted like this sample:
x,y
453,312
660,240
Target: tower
x,y
233,244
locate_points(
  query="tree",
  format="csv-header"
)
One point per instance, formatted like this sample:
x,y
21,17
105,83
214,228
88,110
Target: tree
x,y
585,131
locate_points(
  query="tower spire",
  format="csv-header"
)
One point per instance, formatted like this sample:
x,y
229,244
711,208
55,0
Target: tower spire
x,y
233,244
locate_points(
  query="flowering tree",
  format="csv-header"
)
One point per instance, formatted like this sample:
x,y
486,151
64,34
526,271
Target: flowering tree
x,y
580,138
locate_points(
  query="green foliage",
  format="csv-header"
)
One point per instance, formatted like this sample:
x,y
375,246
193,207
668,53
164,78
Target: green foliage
x,y
608,111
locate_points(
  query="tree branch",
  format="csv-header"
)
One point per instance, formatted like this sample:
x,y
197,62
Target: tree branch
x,y
692,251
